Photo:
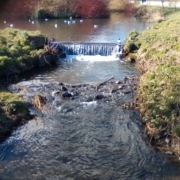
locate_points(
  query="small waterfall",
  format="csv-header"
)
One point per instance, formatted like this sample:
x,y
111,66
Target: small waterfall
x,y
71,48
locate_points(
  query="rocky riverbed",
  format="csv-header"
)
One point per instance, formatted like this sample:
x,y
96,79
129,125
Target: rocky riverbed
x,y
49,98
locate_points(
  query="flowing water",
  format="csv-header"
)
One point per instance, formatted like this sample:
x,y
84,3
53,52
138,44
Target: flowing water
x,y
96,141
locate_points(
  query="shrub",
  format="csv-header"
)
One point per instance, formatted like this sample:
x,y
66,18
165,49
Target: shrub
x,y
17,53
91,9
129,7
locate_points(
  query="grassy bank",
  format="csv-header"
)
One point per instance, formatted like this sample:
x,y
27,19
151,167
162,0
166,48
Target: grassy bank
x,y
23,50
20,51
13,112
157,52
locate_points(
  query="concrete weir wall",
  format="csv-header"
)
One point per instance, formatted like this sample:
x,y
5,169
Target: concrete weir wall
x,y
86,48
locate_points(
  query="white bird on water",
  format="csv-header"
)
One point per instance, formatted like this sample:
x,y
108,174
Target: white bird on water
x,y
81,20
32,22
65,21
55,25
46,19
95,26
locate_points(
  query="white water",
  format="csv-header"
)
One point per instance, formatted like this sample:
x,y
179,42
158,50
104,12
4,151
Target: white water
x,y
96,58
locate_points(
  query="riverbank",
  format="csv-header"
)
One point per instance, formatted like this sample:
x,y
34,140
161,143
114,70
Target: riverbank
x,y
20,51
157,51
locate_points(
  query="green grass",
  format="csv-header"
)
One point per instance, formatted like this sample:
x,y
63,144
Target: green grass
x,y
158,52
12,104
17,52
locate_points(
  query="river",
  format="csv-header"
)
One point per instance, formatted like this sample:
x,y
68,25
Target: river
x,y
93,142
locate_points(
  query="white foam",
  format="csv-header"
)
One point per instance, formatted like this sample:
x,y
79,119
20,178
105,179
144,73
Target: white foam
x,y
96,58
91,103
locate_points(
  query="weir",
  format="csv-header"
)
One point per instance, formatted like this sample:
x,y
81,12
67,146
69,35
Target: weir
x,y
86,48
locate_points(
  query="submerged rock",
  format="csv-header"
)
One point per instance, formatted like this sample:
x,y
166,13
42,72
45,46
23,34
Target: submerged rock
x,y
99,96
66,94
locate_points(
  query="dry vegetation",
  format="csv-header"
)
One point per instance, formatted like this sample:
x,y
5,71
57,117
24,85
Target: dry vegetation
x,y
63,8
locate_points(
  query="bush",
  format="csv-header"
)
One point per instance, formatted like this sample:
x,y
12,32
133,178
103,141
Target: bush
x,y
91,9
16,51
130,7
132,42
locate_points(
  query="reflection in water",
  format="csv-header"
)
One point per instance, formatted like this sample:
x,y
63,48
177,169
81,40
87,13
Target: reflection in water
x,y
88,69
109,30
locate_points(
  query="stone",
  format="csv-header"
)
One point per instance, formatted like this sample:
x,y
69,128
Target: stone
x,y
99,96
66,94
63,88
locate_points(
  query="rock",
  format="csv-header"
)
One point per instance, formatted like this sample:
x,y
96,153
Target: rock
x,y
54,93
61,84
66,94
126,91
89,99
63,88
167,140
99,96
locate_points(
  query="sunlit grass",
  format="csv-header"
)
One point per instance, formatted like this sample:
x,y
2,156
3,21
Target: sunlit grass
x,y
158,52
16,52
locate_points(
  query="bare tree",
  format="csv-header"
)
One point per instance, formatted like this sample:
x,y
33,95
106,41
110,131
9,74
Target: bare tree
x,y
173,3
